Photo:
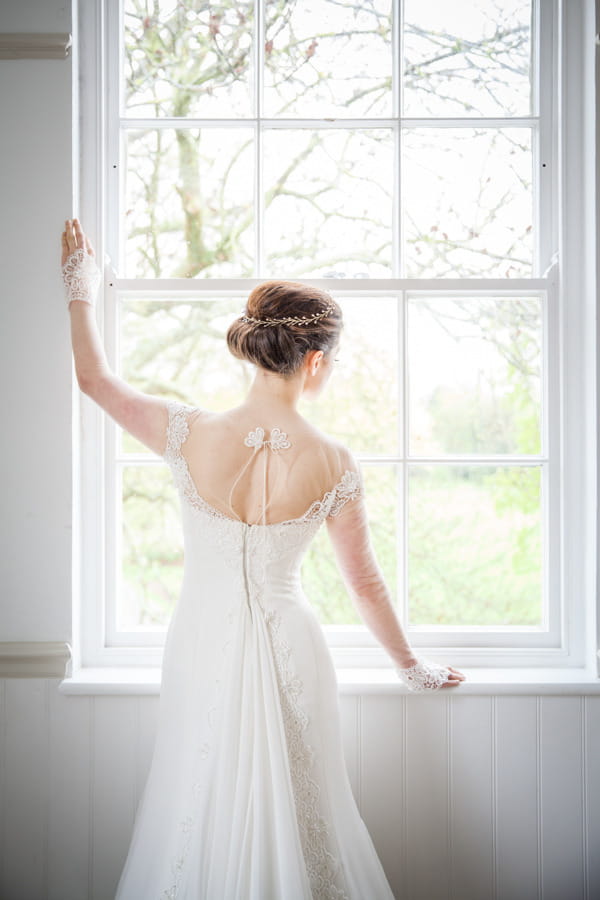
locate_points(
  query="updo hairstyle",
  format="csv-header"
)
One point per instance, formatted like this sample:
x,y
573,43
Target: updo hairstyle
x,y
278,346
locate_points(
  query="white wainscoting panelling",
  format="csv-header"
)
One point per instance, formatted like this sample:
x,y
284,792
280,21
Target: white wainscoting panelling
x,y
70,836
467,797
2,776
516,793
26,786
114,788
471,825
426,856
591,781
561,795
383,756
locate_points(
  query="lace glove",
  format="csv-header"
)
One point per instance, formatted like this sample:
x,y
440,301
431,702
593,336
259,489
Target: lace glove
x,y
423,676
81,277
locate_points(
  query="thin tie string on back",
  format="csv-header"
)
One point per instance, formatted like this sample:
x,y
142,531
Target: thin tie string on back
x,y
256,439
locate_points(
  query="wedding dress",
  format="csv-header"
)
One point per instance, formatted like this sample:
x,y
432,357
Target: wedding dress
x,y
248,796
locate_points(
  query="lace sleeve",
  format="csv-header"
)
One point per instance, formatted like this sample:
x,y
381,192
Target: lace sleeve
x,y
177,428
358,565
365,582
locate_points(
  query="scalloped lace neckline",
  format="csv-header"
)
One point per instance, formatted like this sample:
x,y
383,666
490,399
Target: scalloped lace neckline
x,y
213,510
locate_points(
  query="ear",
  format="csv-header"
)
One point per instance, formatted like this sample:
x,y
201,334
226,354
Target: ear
x,y
312,361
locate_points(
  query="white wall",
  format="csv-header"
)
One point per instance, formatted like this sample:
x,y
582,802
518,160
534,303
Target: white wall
x,y
472,797
35,364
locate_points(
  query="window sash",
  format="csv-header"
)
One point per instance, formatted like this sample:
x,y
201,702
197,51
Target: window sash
x,y
471,639
351,645
540,122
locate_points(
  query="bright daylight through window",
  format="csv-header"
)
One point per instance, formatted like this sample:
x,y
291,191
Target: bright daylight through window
x,y
404,143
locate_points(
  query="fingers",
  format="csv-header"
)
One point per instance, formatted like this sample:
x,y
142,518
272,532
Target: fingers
x,y
455,678
457,671
73,238
79,236
64,248
70,236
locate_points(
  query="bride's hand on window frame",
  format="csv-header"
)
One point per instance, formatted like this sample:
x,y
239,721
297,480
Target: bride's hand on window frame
x,y
73,238
80,273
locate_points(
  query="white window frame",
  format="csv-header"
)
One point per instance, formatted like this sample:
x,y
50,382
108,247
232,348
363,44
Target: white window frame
x,y
566,263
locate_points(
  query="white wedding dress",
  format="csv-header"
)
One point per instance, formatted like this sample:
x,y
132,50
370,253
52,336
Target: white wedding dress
x,y
248,797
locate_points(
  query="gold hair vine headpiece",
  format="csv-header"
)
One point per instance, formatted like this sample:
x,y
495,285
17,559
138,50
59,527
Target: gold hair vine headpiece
x,y
288,320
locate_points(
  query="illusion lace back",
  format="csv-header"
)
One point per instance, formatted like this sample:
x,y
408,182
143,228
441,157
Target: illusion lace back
x,y
248,797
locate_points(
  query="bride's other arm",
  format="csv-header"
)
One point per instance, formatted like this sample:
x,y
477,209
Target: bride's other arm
x,y
350,536
143,416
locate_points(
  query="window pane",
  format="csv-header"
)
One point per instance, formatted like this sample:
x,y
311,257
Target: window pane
x,y
320,576
475,545
474,372
189,203
467,58
359,405
328,58
178,348
151,559
467,203
181,61
328,202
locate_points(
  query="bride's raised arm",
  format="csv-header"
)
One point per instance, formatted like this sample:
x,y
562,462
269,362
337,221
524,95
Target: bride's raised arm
x,y
143,416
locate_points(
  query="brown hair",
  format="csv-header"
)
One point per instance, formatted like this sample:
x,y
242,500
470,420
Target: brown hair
x,y
281,347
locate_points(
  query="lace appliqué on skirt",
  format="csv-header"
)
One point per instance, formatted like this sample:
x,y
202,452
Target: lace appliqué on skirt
x,y
186,827
321,865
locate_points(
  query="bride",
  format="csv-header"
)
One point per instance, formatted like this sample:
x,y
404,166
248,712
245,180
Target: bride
x,y
247,796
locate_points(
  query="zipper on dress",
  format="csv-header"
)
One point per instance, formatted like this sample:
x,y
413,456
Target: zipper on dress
x,y
245,533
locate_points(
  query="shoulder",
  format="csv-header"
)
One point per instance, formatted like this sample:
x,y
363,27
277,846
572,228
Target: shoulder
x,y
344,475
339,454
342,459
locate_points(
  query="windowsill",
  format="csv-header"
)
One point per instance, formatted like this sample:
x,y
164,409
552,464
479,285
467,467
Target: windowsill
x,y
361,681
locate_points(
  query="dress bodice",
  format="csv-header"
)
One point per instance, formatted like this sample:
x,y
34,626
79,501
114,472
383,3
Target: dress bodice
x,y
257,556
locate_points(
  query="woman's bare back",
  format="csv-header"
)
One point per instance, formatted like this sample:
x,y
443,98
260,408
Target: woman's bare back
x,y
247,457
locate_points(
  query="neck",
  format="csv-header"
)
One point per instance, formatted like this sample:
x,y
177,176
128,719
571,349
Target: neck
x,y
269,389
